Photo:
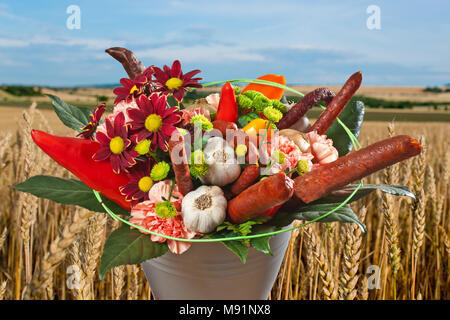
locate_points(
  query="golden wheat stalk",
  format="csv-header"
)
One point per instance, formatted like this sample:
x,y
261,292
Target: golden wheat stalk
x,y
350,263
57,252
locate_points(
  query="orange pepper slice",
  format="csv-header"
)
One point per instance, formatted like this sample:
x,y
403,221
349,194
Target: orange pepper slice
x,y
268,90
255,129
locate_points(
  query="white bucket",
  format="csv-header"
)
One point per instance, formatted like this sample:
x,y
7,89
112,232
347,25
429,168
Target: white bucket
x,y
209,271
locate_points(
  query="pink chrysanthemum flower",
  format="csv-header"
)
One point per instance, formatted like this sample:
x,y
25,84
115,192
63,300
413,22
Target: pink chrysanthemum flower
x,y
87,132
173,81
115,145
153,121
144,215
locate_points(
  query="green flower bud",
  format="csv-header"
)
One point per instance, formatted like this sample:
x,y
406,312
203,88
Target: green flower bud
x,y
252,94
278,105
273,114
244,102
165,210
160,171
260,103
202,121
302,167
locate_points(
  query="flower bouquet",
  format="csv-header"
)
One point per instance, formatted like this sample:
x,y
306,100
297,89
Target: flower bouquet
x,y
235,167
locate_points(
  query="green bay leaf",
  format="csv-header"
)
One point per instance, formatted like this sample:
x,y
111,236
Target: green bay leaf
x,y
66,191
129,246
72,116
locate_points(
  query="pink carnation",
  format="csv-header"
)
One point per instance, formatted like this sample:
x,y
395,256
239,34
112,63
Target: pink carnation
x,y
144,215
213,100
292,154
123,107
161,190
322,148
188,114
120,107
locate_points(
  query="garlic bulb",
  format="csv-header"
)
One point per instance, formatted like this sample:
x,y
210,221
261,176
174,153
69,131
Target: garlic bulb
x,y
204,209
223,166
302,124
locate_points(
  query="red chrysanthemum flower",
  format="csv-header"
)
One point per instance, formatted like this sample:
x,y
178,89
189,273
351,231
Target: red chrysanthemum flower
x,y
153,121
130,88
140,182
115,145
173,81
87,132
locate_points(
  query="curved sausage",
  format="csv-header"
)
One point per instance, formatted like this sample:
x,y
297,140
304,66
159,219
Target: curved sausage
x,y
246,179
180,163
300,109
338,103
354,166
261,196
132,65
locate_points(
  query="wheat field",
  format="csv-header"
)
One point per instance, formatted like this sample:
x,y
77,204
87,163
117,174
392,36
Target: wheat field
x,y
404,255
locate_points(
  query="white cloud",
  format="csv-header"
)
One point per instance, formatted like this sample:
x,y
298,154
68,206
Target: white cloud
x,y
201,53
12,43
88,43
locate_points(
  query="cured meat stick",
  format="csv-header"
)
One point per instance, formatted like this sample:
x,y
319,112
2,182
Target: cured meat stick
x,y
261,196
246,179
223,126
354,166
235,136
302,107
132,65
180,163
338,103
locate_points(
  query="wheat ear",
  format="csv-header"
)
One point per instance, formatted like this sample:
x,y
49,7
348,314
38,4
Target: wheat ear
x,y
57,252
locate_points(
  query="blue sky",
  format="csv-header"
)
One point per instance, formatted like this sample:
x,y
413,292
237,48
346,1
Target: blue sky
x,y
310,42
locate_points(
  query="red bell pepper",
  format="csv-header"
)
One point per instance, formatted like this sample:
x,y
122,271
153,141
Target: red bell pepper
x,y
75,155
227,109
271,212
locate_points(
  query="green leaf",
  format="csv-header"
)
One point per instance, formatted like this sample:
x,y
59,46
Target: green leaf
x,y
129,246
313,211
238,247
66,191
73,117
172,102
262,244
352,116
365,190
246,118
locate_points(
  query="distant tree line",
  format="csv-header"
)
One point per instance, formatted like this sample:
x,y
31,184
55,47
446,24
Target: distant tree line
x,y
437,89
25,91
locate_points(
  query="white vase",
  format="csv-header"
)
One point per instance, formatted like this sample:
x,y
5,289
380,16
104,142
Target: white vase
x,y
209,271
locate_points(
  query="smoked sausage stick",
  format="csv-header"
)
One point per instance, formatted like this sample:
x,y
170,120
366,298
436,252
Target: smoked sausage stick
x,y
261,196
302,107
338,103
180,163
246,179
354,166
